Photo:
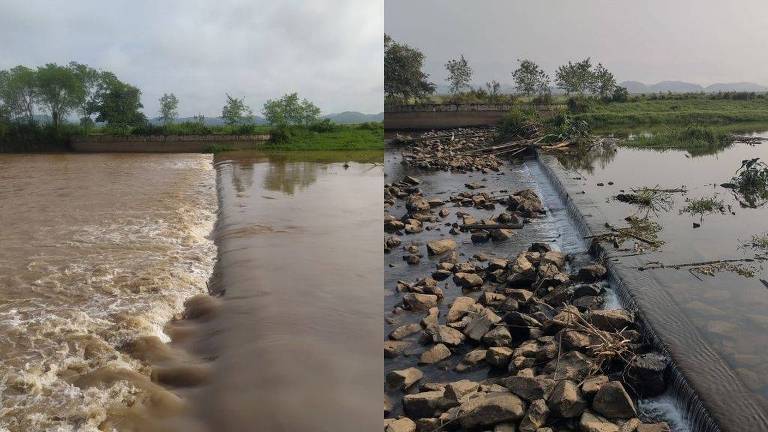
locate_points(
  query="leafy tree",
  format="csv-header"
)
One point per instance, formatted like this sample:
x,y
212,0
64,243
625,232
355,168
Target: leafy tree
x,y
493,90
235,111
58,90
89,79
602,82
403,77
620,94
19,92
116,102
168,105
530,79
459,74
575,77
289,110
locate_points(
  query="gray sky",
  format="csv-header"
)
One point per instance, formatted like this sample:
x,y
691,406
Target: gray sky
x,y
701,41
330,51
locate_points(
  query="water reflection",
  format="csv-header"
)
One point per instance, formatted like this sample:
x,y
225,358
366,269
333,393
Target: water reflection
x,y
601,153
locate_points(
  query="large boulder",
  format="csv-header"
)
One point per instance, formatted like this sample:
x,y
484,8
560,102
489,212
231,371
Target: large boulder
x,y
591,422
439,247
404,378
565,400
613,401
435,354
490,409
645,374
535,417
459,308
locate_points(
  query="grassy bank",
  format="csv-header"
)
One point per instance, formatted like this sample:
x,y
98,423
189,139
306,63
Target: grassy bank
x,y
682,112
366,136
697,140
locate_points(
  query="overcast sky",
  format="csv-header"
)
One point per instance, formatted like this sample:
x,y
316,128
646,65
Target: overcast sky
x,y
330,51
700,41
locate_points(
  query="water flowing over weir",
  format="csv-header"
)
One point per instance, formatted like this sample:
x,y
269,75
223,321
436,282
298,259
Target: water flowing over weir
x,y
699,377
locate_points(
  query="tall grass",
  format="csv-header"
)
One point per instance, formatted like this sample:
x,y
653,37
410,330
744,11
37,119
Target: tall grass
x,y
695,139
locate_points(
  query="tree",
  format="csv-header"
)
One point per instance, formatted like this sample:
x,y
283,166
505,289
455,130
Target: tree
x,y
575,77
89,79
459,74
493,88
19,92
168,105
288,110
235,111
602,83
403,77
116,102
58,90
530,79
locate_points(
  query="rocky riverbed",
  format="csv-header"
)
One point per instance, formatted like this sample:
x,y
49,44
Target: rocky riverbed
x,y
525,342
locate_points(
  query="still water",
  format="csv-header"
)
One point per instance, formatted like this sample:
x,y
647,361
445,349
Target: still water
x,y
297,338
95,250
716,324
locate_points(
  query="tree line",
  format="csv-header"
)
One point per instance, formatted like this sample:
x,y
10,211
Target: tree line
x,y
99,96
405,81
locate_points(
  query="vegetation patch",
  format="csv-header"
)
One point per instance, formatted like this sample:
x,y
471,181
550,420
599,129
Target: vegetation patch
x,y
695,139
750,183
366,136
702,206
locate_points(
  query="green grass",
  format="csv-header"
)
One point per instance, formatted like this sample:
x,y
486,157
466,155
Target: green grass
x,y
701,206
694,110
697,140
368,136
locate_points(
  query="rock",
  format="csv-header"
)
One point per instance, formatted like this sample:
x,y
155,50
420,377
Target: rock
x,y
535,417
444,213
505,427
404,331
591,273
540,247
435,202
415,301
611,320
576,340
501,234
439,247
591,422
590,386
554,257
645,374
467,280
492,298
403,378
413,181
391,242
498,336
441,274
394,225
480,323
529,388
428,424
629,425
521,271
393,348
403,424
572,365
526,202
498,357
480,237
613,401
412,259
520,295
431,319
446,335
490,409
435,354
565,400
424,404
471,359
416,204
457,390
653,427
459,308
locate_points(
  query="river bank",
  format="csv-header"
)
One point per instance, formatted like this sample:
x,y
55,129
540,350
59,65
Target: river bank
x,y
452,354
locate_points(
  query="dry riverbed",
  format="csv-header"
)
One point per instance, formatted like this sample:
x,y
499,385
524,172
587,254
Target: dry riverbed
x,y
516,339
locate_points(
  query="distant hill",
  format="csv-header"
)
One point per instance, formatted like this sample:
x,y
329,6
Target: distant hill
x,y
354,117
686,87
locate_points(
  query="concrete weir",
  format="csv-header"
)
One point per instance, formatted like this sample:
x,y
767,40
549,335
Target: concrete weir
x,y
165,143
705,388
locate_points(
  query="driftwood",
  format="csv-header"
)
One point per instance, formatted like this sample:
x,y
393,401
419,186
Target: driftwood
x,y
628,232
659,265
492,226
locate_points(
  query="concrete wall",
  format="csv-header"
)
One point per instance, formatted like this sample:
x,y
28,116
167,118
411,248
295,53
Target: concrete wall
x,y
164,144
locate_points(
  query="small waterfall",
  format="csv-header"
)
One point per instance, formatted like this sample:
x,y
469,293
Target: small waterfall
x,y
682,395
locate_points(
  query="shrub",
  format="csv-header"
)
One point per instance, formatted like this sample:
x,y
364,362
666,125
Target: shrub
x,y
325,125
578,105
519,122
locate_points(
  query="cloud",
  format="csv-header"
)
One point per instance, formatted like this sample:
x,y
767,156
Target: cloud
x,y
330,51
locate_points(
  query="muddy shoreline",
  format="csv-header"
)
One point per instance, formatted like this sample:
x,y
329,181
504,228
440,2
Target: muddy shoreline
x,y
500,293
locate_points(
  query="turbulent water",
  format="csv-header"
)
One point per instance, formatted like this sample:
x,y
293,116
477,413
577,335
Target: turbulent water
x,y
95,250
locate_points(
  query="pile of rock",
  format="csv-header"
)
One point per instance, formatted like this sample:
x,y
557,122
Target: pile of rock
x,y
460,150
560,361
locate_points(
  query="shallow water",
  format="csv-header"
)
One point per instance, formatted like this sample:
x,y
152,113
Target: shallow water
x,y
724,315
296,339
95,250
